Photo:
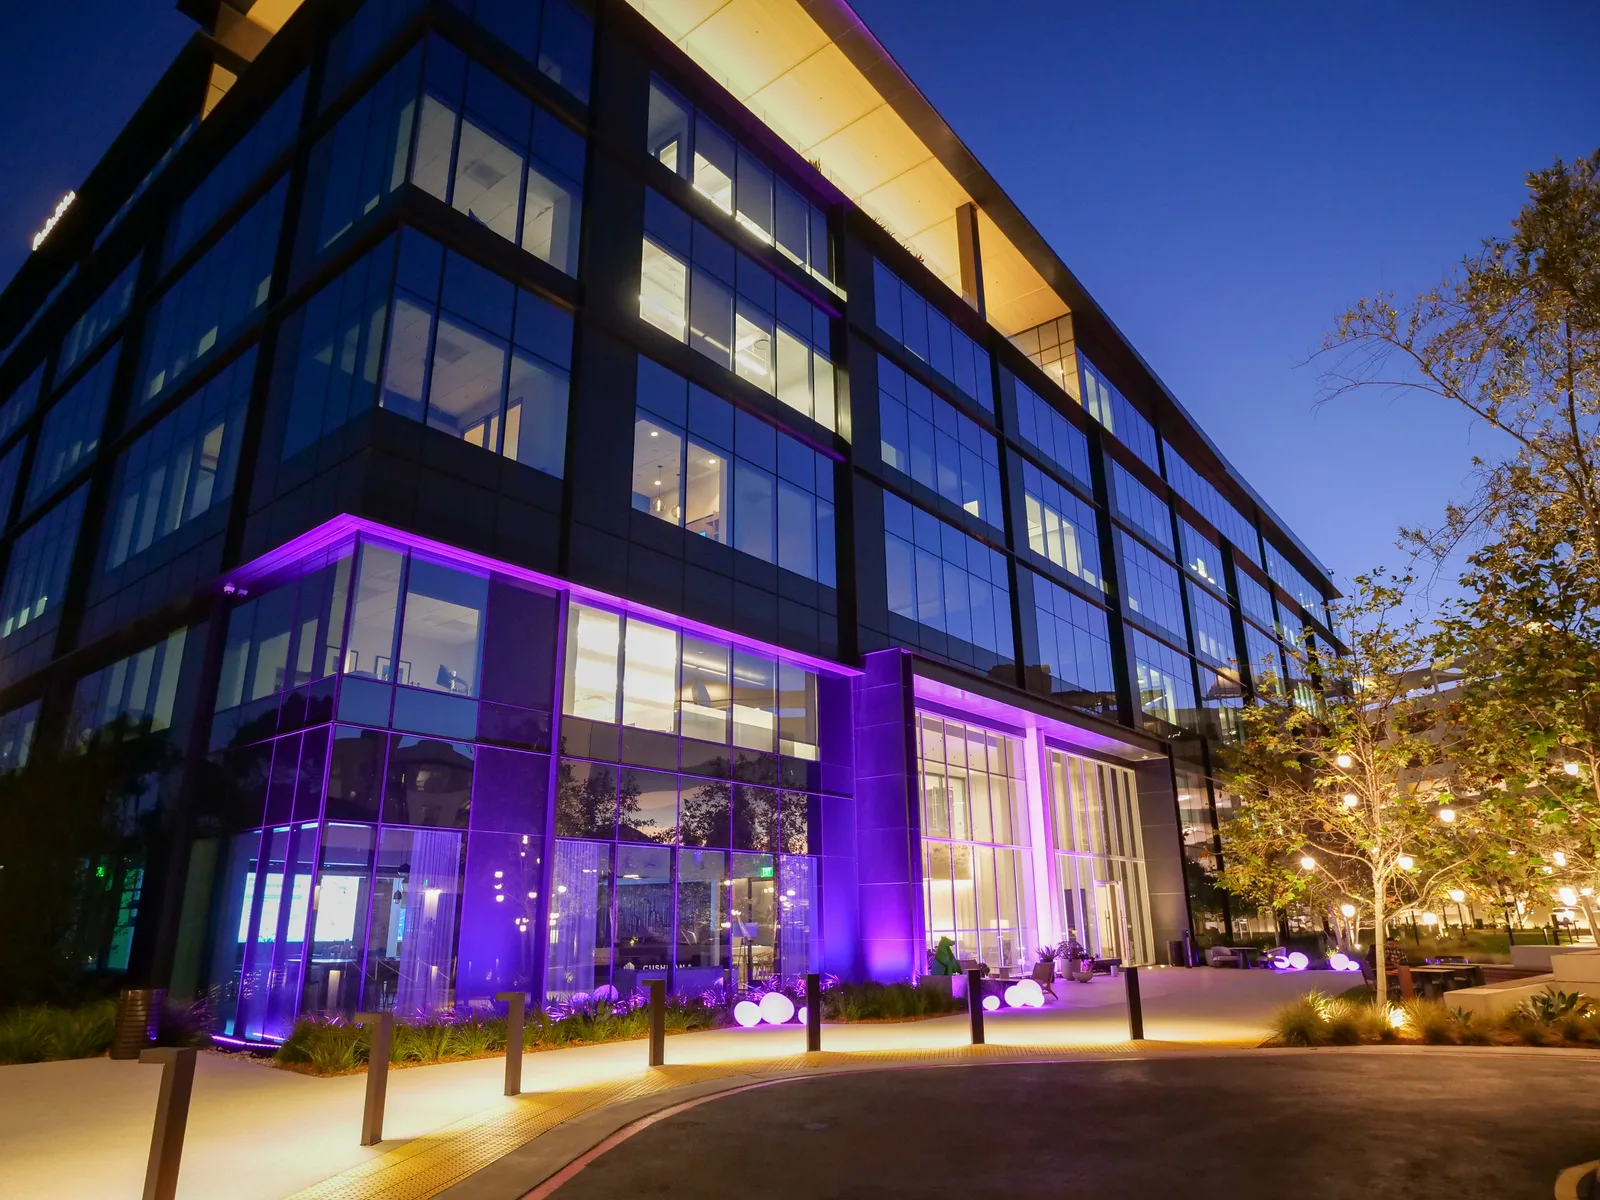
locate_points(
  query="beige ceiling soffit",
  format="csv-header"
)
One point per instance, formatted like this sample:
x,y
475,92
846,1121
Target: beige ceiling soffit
x,y
809,70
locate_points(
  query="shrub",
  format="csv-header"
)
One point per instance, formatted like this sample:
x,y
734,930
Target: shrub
x,y
1342,1022
1300,1022
43,1033
1471,1032
1552,1004
1430,1021
886,1001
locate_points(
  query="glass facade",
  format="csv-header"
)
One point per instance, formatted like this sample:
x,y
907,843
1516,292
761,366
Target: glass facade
x,y
380,415
977,872
1100,857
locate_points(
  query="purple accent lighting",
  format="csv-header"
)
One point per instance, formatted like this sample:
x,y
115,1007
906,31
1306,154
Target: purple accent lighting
x,y
342,528
962,705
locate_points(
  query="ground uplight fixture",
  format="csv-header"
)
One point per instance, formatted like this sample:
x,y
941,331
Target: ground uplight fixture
x,y
1344,761
1406,862
1570,768
1307,862
1397,1019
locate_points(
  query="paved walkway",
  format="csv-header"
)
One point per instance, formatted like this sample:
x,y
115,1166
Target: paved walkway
x,y
256,1133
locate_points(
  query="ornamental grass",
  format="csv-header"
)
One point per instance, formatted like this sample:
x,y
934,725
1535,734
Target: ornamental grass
x,y
1550,1018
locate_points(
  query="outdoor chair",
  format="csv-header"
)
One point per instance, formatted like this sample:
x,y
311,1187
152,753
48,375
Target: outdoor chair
x,y
1044,974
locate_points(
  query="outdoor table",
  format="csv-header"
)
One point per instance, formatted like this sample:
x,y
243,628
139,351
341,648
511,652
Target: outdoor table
x,y
1433,982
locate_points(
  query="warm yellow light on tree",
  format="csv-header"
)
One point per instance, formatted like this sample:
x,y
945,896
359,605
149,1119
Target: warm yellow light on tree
x,y
1308,863
1457,895
1351,800
1447,815
1559,858
1406,862
1570,768
1349,910
1568,896
1344,761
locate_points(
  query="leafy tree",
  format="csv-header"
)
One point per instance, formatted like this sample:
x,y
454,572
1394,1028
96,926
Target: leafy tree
x,y
1341,798
1512,337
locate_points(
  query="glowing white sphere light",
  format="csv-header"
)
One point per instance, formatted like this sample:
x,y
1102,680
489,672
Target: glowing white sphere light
x,y
991,1003
1298,961
776,1008
747,1014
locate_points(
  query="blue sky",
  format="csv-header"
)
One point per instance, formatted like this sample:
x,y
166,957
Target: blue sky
x,y
1224,179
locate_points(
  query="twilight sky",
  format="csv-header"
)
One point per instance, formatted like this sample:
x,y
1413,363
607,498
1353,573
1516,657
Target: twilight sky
x,y
1223,178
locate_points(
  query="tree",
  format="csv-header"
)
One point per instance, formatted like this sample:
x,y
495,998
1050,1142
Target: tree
x,y
1526,720
1512,338
1342,798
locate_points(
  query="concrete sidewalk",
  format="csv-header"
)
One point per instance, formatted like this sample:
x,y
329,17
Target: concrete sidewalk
x,y
82,1128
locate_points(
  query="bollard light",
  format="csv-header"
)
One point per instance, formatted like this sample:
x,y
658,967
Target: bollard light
x,y
172,1118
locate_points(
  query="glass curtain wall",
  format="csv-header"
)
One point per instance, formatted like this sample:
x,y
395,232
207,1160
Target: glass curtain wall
x,y
687,816
1100,857
977,873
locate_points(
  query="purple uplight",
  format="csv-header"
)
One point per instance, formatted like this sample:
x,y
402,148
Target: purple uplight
x,y
342,528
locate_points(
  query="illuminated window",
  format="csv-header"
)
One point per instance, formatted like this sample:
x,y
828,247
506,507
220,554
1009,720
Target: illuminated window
x,y
650,678
593,645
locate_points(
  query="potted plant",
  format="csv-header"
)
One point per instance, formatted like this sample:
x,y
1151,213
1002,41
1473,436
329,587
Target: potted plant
x,y
1076,962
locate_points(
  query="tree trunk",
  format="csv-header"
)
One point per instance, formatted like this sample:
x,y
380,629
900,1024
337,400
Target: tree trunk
x,y
1380,957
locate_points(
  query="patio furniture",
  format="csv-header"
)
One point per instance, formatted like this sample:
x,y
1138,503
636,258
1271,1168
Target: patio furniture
x,y
1104,966
1044,974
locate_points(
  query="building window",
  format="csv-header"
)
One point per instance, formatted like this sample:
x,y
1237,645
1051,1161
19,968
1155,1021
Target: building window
x,y
691,146
1255,600
475,356
1052,435
1200,555
1100,858
695,288
224,289
290,636
17,728
183,467
1074,648
1211,504
37,571
557,36
247,161
1151,586
1262,658
1165,682
977,873
98,320
717,471
1213,627
1120,418
518,170
10,474
1140,507
914,323
69,435
624,670
1053,348
1061,527
17,406
926,437
1288,577
139,691
943,579
331,350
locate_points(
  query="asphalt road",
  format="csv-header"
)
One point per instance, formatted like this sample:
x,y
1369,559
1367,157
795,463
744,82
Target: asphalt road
x,y
1320,1126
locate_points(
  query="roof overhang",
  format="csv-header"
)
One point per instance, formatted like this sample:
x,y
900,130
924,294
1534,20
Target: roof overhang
x,y
814,74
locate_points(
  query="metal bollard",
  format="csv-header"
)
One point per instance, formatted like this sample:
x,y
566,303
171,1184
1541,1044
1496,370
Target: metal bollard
x,y
516,1019
382,1027
658,1021
1135,1009
172,1117
813,1013
975,1004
